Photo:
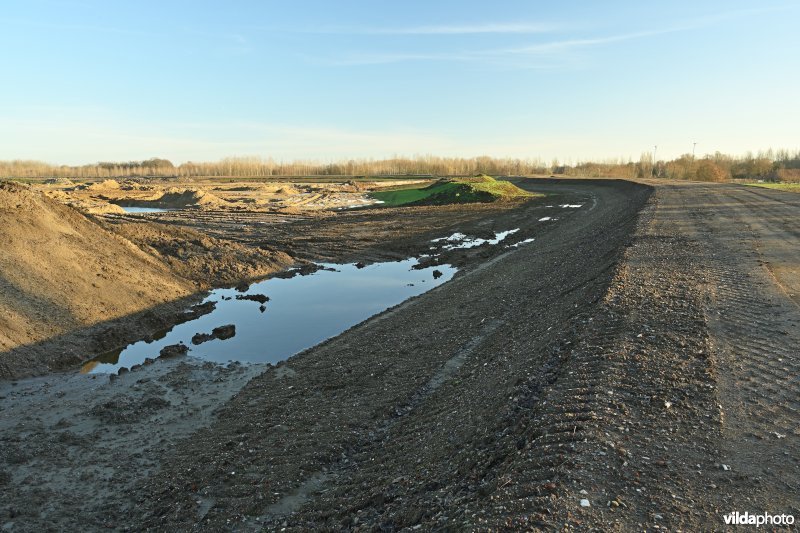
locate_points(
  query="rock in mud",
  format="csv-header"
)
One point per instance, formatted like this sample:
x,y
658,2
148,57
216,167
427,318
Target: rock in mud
x,y
222,333
260,298
173,350
303,270
200,338
199,310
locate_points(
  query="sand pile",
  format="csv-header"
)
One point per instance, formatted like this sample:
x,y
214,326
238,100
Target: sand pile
x,y
280,188
104,186
60,272
90,206
175,197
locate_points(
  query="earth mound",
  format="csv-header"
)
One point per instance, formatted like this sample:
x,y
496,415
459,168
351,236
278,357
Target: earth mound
x,y
206,260
175,197
104,185
478,189
61,272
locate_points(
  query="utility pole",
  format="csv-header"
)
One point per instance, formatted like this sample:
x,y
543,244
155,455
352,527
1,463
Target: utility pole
x,y
655,149
694,145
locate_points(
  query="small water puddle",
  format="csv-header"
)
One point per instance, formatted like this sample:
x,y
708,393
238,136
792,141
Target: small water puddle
x,y
301,312
520,243
459,241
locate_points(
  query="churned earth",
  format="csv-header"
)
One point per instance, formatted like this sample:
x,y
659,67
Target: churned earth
x,y
633,367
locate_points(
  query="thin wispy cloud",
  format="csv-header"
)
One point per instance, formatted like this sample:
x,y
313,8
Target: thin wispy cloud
x,y
388,58
498,28
541,55
467,29
549,49
567,44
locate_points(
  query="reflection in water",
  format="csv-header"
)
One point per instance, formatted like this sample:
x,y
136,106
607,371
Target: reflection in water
x,y
89,366
302,311
112,357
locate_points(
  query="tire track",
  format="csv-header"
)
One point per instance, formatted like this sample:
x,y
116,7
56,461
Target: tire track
x,y
756,340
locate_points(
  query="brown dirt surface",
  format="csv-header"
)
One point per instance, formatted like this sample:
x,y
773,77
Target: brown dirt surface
x,y
213,195
371,234
104,185
640,356
449,375
60,272
209,261
175,197
88,205
645,364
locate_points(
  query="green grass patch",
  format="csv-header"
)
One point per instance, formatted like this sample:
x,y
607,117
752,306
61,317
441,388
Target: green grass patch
x,y
454,191
791,187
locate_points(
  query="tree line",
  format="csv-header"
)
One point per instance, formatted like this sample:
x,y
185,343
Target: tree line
x,y
780,165
769,165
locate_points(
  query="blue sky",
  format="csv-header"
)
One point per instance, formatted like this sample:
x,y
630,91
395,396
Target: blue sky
x,y
197,80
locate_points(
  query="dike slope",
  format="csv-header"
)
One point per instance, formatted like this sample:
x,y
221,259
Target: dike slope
x,y
61,273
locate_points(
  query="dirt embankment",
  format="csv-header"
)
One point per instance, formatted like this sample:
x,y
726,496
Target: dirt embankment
x,y
175,197
73,286
209,261
61,272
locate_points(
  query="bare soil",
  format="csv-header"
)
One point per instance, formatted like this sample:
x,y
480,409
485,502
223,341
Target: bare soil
x,y
61,273
639,356
106,197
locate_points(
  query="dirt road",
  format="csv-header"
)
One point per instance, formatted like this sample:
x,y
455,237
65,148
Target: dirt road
x,y
751,243
634,368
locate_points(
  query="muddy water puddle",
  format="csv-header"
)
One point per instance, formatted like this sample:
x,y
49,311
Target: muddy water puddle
x,y
276,318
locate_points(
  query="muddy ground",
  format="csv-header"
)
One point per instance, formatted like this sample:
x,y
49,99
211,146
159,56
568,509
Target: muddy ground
x,y
635,367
